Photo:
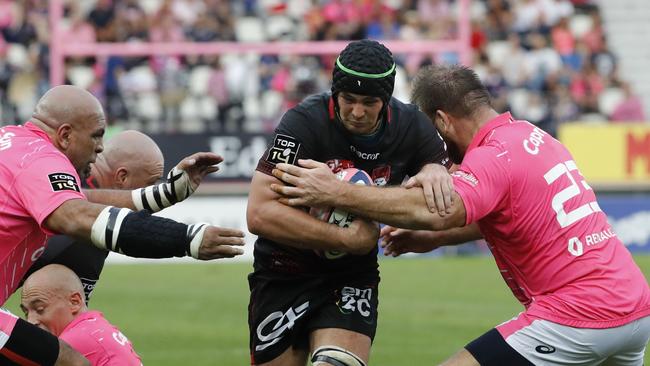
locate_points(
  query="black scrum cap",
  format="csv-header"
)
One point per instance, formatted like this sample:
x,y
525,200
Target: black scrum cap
x,y
365,67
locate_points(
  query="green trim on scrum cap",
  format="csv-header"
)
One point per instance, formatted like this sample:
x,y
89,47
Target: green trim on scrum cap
x,y
363,74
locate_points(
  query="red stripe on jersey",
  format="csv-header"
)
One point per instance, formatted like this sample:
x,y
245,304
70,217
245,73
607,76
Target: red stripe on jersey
x,y
17,358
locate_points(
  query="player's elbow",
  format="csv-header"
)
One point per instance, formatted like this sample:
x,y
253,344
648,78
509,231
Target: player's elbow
x,y
256,219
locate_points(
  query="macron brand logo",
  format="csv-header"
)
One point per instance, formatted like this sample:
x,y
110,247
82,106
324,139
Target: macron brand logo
x,y
533,142
363,155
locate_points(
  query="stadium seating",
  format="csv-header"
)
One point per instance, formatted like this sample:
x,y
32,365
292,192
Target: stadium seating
x,y
262,87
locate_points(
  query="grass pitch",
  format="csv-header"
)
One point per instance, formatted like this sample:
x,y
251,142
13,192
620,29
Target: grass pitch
x,y
195,314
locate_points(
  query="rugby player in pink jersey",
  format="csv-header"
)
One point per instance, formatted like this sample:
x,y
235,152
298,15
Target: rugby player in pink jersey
x,y
53,299
586,301
40,164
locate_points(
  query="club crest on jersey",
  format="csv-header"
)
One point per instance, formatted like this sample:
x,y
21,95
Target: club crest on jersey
x,y
285,150
63,182
381,175
339,164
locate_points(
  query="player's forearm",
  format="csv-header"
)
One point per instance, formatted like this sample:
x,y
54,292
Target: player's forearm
x,y
293,227
74,218
457,235
111,197
398,207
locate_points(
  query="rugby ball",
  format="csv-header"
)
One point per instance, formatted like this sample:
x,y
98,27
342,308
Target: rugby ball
x,y
336,216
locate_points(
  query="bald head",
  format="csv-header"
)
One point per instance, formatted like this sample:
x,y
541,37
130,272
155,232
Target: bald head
x,y
131,146
74,121
52,297
66,104
56,278
130,160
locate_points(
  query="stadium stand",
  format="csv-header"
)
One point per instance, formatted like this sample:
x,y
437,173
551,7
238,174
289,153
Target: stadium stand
x,y
547,60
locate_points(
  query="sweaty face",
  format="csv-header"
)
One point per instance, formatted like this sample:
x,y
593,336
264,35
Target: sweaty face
x,y
46,310
86,141
359,113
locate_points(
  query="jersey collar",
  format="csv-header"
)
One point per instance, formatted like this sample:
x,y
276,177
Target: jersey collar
x,y
482,133
37,130
86,315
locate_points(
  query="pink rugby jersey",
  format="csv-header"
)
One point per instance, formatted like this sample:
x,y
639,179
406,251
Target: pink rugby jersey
x,y
35,179
99,341
550,239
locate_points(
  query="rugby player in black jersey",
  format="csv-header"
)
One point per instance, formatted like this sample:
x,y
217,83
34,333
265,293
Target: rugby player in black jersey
x,y
305,305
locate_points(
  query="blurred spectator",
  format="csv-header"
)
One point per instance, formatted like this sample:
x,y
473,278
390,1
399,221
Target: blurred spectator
x,y
563,40
114,104
555,10
527,17
514,64
20,30
604,61
541,62
630,109
101,18
79,31
499,19
527,52
443,25
564,109
595,36
586,86
217,89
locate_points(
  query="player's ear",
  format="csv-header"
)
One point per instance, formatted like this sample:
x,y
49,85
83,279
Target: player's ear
x,y
444,119
77,300
121,177
63,135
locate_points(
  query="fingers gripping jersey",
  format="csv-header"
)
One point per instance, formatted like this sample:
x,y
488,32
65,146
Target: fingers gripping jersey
x,y
550,239
35,179
404,143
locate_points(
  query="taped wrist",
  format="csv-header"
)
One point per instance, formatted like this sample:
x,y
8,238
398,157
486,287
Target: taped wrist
x,y
141,235
158,196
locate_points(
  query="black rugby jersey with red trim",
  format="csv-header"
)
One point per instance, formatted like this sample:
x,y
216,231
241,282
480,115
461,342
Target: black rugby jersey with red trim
x,y
406,141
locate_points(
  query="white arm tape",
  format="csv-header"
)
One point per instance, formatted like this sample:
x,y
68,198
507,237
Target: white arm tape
x,y
196,231
159,196
106,227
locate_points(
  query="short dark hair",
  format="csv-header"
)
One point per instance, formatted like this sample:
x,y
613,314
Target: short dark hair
x,y
453,89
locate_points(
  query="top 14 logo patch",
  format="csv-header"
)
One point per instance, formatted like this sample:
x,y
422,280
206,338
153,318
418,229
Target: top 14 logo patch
x,y
63,182
285,150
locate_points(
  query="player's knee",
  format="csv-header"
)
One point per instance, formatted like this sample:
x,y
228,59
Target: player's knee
x,y
335,356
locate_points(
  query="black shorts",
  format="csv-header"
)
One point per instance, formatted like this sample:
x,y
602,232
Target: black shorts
x,y
285,308
84,259
491,349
